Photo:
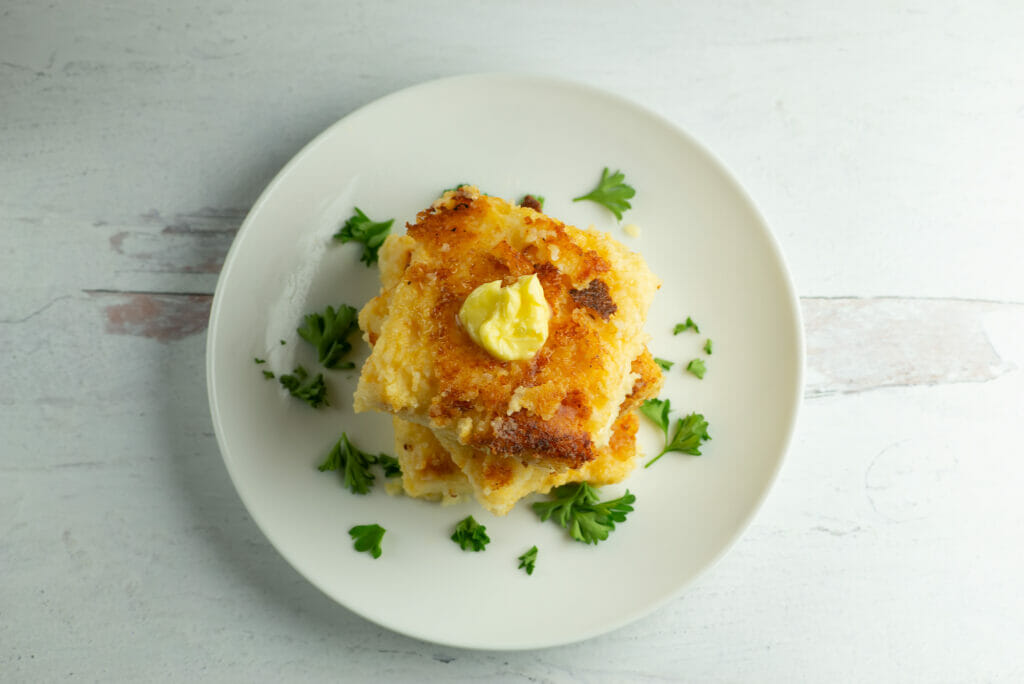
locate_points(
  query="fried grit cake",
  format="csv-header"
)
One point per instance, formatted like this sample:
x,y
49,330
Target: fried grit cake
x,y
428,471
556,409
448,471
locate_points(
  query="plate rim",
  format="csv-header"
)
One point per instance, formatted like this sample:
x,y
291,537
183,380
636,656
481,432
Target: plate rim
x,y
525,78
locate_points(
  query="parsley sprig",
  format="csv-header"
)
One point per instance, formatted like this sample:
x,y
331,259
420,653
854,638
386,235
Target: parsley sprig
x,y
689,432
268,375
390,465
611,192
470,535
329,333
367,538
697,367
354,465
576,508
664,364
683,327
657,411
306,387
528,560
360,228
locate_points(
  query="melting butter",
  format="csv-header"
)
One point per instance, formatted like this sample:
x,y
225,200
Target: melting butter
x,y
511,323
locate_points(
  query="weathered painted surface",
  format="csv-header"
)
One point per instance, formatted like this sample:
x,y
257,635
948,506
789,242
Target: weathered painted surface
x,y
855,344
186,243
162,317
883,144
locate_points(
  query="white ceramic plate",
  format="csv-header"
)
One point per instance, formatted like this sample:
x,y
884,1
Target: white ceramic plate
x,y
510,135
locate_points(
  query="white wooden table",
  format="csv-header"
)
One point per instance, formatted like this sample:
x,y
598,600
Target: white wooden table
x,y
883,141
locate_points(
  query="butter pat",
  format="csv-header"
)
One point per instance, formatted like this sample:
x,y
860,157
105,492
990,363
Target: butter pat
x,y
511,323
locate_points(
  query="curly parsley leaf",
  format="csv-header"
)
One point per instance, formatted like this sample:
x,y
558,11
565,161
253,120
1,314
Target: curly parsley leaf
x,y
611,192
528,560
470,535
697,368
664,364
360,228
577,509
268,375
657,411
353,463
707,347
367,538
390,465
329,333
689,433
303,386
683,327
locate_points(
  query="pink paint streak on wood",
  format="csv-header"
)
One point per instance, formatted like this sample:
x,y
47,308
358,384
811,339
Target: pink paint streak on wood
x,y
163,317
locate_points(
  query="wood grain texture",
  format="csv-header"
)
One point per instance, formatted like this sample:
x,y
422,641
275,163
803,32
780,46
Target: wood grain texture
x,y
162,317
861,344
883,143
187,243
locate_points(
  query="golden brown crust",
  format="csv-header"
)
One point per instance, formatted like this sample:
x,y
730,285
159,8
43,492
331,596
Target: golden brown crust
x,y
498,481
649,380
531,202
595,297
433,373
524,433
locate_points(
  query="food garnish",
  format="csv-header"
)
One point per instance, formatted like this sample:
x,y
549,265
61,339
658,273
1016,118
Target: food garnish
x,y
707,347
664,364
689,433
470,535
302,386
390,465
266,374
528,560
329,333
657,411
367,538
697,368
577,509
688,325
353,463
611,192
360,228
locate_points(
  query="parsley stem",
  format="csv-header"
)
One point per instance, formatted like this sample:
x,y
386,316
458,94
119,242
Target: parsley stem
x,y
651,462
